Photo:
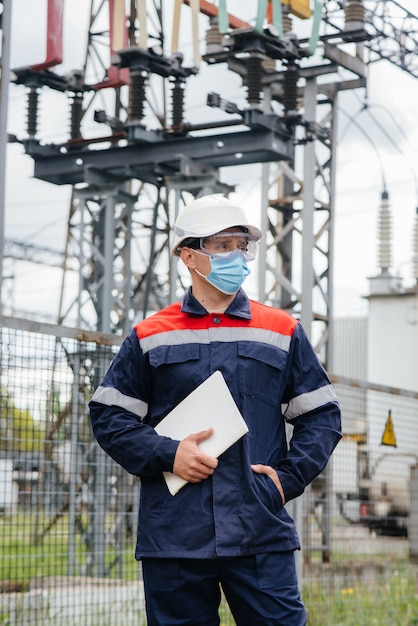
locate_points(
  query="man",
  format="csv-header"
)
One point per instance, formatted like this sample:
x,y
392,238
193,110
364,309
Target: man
x,y
228,527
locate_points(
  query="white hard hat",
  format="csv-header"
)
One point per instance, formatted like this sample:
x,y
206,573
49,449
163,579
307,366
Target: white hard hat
x,y
207,216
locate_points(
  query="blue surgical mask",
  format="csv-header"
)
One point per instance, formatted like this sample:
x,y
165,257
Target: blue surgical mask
x,y
228,271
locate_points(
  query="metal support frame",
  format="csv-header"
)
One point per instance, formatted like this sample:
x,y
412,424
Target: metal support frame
x,y
99,242
152,157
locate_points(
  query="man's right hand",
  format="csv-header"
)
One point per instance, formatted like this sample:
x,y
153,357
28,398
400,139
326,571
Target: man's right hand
x,y
190,463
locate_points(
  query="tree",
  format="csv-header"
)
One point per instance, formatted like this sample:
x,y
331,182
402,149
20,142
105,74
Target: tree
x,y
20,432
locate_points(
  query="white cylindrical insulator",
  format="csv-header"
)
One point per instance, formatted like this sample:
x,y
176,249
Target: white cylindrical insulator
x,y
385,234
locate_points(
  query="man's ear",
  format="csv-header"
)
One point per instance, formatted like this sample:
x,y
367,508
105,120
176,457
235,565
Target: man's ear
x,y
188,257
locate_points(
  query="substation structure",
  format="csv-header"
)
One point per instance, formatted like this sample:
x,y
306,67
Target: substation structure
x,y
145,160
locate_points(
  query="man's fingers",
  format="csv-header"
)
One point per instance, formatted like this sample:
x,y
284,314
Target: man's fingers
x,y
259,468
190,461
202,435
206,459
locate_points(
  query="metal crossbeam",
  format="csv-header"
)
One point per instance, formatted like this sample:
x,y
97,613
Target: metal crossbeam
x,y
150,160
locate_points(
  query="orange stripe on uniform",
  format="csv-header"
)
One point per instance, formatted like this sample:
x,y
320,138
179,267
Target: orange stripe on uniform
x,y
172,318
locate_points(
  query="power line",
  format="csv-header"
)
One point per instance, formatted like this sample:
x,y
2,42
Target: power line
x,y
22,251
353,121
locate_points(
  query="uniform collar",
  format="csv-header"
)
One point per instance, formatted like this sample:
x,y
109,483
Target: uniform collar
x,y
239,307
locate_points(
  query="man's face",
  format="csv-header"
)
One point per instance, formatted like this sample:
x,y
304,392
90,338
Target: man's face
x,y
227,241
221,246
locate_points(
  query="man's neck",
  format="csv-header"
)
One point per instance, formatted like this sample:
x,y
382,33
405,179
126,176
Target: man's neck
x,y
213,300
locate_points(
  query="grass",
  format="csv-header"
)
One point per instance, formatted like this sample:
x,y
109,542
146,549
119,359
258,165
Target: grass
x,y
391,600
387,601
344,594
23,558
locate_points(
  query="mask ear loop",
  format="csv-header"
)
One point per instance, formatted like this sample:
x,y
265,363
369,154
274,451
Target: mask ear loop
x,y
197,271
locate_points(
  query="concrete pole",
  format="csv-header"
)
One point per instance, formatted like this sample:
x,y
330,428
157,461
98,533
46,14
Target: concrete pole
x,y
262,252
4,98
306,318
329,357
174,260
308,212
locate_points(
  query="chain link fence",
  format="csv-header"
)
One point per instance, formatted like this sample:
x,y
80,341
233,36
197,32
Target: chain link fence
x,y
68,514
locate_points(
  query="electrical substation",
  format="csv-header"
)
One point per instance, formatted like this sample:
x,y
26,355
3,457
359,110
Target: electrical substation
x,y
293,60
133,152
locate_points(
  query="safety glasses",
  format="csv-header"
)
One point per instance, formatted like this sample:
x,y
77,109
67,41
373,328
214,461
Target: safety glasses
x,y
225,245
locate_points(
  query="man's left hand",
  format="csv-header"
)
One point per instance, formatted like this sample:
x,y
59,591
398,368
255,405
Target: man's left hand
x,y
271,472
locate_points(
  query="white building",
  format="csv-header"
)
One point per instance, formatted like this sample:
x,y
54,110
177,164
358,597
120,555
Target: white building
x,y
381,349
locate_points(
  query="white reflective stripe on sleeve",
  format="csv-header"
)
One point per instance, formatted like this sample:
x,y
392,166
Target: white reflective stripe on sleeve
x,y
308,402
112,397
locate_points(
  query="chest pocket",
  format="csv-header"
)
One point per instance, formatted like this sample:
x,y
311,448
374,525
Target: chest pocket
x,y
167,355
176,372
261,371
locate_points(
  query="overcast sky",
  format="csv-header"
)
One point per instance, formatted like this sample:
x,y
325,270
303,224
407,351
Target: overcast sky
x,y
379,143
